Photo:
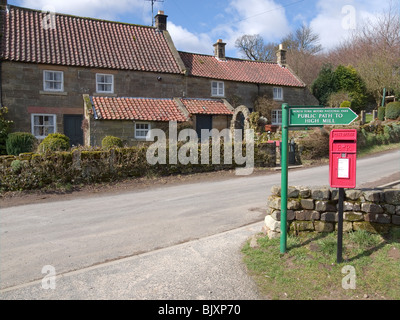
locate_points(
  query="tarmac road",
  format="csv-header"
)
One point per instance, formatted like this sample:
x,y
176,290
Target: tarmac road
x,y
143,245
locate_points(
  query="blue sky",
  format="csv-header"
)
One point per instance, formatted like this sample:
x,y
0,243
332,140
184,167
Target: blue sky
x,y
196,25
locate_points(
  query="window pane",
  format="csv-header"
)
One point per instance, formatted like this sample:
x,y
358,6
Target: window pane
x,y
49,75
221,89
100,78
108,79
36,131
49,120
107,87
57,76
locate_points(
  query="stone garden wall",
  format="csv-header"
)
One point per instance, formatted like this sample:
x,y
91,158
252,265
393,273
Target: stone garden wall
x,y
315,209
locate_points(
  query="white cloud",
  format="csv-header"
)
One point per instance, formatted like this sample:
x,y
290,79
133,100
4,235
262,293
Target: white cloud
x,y
103,9
264,17
185,40
337,20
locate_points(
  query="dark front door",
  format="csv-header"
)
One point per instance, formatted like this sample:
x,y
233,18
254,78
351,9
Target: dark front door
x,y
73,129
203,122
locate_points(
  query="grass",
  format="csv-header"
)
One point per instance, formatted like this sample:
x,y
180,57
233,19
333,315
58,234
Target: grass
x,y
309,270
377,148
368,117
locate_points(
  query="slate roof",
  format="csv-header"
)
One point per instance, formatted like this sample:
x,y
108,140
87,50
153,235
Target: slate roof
x,y
145,109
85,42
206,106
239,70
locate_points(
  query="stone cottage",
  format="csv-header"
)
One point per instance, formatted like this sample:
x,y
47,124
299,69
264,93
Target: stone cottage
x,y
88,78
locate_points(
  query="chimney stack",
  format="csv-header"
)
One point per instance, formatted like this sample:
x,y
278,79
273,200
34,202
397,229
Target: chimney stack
x,y
161,21
219,50
281,56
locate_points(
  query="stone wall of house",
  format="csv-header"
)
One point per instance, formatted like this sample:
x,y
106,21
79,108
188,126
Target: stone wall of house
x,y
315,209
238,93
123,129
23,94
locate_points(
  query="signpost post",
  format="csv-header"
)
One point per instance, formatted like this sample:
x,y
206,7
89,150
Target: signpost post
x,y
306,116
284,175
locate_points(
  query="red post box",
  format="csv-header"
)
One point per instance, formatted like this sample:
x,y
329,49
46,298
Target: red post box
x,y
342,158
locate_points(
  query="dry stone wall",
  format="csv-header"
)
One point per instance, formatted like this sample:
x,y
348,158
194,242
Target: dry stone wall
x,y
316,209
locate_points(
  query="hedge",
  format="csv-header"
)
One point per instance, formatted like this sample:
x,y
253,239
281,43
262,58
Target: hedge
x,y
381,113
393,110
35,171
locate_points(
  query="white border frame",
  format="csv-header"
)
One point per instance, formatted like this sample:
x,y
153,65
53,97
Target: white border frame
x,y
277,99
42,114
44,81
141,137
217,95
112,83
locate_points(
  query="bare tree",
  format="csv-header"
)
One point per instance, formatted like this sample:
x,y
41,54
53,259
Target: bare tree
x,y
253,48
377,48
302,40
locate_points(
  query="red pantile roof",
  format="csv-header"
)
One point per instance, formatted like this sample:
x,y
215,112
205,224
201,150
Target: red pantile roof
x,y
206,106
146,109
239,70
77,41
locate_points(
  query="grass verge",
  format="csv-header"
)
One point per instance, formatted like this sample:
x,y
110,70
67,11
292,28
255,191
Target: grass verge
x,y
377,148
309,270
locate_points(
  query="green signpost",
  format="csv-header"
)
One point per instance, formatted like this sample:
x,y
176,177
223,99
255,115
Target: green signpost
x,y
314,116
306,116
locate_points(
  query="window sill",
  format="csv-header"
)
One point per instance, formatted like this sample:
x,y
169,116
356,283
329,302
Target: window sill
x,y
53,93
104,94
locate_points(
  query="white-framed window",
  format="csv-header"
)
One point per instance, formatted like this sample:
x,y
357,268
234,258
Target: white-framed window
x,y
53,81
217,89
142,130
278,93
43,125
276,117
104,83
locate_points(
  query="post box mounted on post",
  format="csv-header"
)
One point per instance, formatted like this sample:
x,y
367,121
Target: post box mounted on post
x,y
342,171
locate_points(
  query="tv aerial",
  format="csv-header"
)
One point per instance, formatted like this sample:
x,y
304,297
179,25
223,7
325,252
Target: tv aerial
x,y
152,9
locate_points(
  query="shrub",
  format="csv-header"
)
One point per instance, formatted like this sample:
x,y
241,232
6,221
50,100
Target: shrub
x,y
54,142
111,142
381,113
20,142
393,110
4,129
315,146
345,104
